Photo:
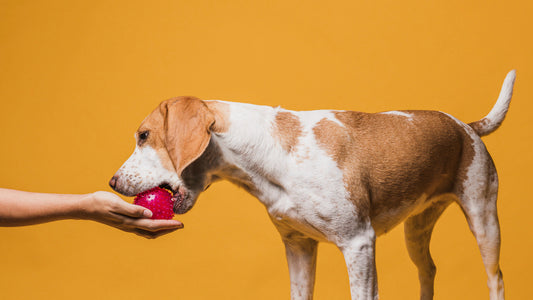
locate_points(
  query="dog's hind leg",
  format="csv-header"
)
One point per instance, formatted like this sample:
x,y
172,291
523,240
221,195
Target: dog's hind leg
x,y
418,229
477,198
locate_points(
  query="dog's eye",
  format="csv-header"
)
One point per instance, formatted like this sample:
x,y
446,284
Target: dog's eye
x,y
143,135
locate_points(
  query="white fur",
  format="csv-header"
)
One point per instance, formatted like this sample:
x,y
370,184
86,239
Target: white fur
x,y
478,201
290,187
303,191
398,113
142,171
498,112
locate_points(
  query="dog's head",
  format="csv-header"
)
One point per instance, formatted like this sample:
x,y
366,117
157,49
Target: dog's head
x,y
170,141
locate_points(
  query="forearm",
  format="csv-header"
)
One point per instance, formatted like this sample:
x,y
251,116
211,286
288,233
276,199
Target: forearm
x,y
18,208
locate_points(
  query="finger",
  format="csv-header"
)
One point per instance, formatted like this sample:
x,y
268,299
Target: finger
x,y
155,225
132,210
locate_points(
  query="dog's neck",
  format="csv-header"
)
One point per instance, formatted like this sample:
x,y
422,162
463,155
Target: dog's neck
x,y
251,157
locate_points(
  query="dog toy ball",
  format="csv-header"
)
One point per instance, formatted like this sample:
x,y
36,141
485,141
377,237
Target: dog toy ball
x,y
158,200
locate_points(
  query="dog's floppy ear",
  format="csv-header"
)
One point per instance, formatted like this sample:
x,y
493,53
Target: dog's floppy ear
x,y
187,129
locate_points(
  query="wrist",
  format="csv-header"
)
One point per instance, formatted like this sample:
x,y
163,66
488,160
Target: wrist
x,y
82,207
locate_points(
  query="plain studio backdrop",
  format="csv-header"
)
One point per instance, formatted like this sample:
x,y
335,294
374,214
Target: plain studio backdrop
x,y
78,77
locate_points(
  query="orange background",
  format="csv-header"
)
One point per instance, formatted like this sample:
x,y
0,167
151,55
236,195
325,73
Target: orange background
x,y
76,79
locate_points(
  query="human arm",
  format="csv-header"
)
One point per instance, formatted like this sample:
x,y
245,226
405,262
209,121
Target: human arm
x,y
19,208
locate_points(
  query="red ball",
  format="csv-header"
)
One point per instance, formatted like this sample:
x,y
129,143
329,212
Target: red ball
x,y
159,201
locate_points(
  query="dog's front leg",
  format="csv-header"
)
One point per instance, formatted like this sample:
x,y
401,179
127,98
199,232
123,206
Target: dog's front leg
x,y
359,254
301,256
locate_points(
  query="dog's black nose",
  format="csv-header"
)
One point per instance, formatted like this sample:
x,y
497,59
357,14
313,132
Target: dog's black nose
x,y
113,182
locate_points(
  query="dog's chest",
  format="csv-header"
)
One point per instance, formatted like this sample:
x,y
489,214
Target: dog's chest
x,y
317,206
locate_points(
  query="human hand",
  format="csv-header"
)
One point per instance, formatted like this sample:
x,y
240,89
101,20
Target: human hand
x,y
109,209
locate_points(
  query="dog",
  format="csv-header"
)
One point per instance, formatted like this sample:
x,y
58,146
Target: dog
x,y
342,177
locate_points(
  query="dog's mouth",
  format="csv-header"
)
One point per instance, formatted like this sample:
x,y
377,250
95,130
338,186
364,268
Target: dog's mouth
x,y
178,195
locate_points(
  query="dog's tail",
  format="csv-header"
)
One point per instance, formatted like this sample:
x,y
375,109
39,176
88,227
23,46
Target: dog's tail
x,y
494,119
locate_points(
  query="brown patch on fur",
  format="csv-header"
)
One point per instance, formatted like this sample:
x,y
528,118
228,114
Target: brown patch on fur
x,y
390,161
287,130
188,121
221,112
179,131
467,159
341,147
480,127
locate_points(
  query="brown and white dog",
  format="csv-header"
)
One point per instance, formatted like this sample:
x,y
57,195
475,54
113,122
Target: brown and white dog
x,y
342,177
